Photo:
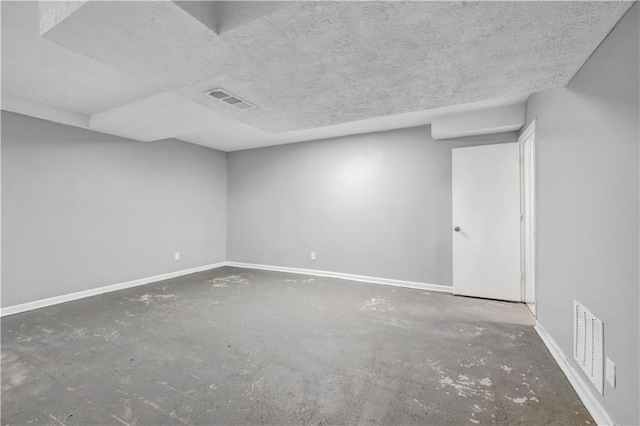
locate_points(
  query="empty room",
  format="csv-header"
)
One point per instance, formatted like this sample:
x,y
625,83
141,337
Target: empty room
x,y
336,213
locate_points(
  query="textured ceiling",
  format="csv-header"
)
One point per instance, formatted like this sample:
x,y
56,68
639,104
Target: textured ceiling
x,y
306,65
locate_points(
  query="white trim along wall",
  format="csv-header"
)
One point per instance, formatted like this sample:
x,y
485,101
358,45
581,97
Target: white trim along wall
x,y
344,276
37,304
580,385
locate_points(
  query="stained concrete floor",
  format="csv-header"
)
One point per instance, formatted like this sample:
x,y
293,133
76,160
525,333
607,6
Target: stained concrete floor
x,y
239,346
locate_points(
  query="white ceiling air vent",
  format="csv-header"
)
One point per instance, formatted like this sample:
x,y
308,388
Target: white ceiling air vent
x,y
229,99
588,345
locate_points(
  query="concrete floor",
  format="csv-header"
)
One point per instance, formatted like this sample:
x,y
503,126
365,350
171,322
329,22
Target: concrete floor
x,y
239,346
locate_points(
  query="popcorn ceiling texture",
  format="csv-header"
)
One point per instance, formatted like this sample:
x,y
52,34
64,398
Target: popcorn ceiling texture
x,y
312,64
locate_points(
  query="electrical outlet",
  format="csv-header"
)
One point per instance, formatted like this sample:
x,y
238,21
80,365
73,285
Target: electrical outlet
x,y
610,373
177,255
313,255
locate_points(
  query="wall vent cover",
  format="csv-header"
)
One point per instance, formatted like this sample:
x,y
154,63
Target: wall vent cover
x,y
229,99
588,348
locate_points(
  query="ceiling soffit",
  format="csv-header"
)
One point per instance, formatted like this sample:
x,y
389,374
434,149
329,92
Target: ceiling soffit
x,y
314,64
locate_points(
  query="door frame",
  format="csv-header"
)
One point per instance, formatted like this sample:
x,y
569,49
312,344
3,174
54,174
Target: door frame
x,y
528,245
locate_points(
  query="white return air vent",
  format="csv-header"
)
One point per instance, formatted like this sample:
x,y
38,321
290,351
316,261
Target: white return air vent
x,y
588,348
229,99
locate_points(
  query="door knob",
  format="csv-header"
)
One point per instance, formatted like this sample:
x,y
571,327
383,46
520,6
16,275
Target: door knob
x,y
457,229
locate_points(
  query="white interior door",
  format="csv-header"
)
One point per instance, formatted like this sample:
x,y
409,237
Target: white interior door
x,y
486,221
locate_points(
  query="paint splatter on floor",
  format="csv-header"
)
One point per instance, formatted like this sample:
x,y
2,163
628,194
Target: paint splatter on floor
x,y
378,304
148,298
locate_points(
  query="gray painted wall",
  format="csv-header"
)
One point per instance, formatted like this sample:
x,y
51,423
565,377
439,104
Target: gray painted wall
x,y
82,209
588,208
377,204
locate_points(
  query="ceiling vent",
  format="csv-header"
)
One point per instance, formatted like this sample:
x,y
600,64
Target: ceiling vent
x,y
229,99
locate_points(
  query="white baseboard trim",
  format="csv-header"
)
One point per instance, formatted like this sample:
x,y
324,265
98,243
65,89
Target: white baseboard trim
x,y
344,276
581,386
36,304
